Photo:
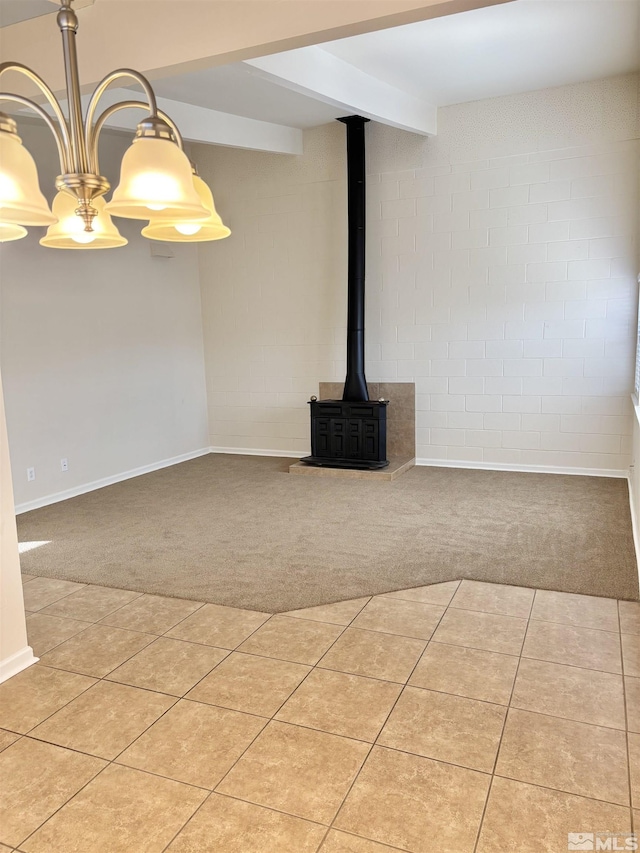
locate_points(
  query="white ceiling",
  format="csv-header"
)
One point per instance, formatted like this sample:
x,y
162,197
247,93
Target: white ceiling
x,y
398,76
14,11
502,50
236,89
498,50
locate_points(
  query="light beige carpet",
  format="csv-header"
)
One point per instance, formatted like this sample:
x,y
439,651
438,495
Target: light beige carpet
x,y
241,531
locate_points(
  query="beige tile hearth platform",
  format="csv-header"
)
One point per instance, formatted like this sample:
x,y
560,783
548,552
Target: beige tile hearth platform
x,y
397,466
461,717
401,432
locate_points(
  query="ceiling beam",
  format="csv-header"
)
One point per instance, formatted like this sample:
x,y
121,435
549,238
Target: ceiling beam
x,y
198,124
315,72
165,38
213,127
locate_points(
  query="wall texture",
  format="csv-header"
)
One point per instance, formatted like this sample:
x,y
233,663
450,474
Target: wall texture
x,y
273,294
101,352
501,279
15,653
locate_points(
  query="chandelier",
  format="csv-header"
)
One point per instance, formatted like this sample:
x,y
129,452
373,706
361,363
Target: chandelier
x,y
157,181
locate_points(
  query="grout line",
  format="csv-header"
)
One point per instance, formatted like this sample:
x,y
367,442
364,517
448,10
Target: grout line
x,y
66,802
504,725
574,666
626,723
375,742
562,791
66,595
268,721
578,627
95,586
48,717
384,844
272,719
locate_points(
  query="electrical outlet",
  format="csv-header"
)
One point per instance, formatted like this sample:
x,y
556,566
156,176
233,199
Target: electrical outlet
x,y
31,474
64,464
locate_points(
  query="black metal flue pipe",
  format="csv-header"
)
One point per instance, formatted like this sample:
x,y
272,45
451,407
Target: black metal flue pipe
x,y
355,386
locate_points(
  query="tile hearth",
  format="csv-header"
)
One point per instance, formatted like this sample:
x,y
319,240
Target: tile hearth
x,y
462,716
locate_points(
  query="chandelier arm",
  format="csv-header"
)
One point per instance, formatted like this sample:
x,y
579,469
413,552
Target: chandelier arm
x,y
125,105
104,84
57,135
51,100
174,127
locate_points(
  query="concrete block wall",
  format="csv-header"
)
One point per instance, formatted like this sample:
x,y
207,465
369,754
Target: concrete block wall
x,y
501,279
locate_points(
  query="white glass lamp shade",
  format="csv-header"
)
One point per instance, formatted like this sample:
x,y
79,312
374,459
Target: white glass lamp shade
x,y
21,202
156,178
69,233
9,232
196,231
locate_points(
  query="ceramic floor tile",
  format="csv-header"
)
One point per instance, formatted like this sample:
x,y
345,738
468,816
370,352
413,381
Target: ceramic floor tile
x,y
26,578
213,625
295,770
629,617
478,630
46,632
528,819
342,842
634,768
169,666
35,693
155,614
494,598
7,738
342,704
565,644
41,592
473,673
585,695
249,683
445,727
577,758
415,803
225,825
631,654
583,611
341,613
121,811
194,743
91,603
105,719
296,640
396,616
384,656
632,691
38,779
97,651
437,593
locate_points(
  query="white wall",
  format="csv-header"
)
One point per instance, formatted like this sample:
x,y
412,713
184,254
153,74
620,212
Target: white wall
x,y
101,352
501,279
15,653
273,293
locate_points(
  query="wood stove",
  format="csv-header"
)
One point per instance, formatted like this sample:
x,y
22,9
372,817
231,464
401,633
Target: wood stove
x,y
352,432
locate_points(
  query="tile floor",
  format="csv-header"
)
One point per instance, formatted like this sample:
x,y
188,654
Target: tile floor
x,y
466,717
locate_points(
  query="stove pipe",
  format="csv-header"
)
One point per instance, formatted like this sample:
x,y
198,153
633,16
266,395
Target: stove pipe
x,y
355,386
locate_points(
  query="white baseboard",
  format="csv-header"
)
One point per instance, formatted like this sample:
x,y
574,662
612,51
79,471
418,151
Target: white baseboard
x,y
16,663
108,481
525,469
250,451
